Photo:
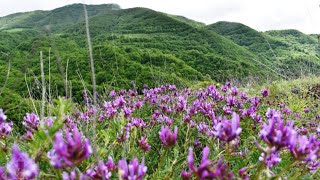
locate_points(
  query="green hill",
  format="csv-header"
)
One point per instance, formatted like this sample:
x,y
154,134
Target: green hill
x,y
57,18
291,52
142,46
136,44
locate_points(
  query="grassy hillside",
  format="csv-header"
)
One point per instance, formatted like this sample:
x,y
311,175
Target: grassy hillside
x,y
57,18
291,52
130,45
138,46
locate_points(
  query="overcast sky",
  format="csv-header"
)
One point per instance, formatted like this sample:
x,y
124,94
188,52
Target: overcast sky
x,y
262,15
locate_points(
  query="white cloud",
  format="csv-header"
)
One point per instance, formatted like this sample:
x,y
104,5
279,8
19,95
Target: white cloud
x,y
262,15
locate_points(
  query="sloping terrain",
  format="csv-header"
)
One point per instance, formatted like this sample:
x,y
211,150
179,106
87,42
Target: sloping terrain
x,y
291,52
130,45
145,47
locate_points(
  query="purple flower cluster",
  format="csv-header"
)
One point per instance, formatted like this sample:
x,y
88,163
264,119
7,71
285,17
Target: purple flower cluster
x,y
5,127
31,122
227,130
265,92
21,166
167,137
102,170
210,114
3,117
133,170
143,144
276,133
69,151
206,169
279,135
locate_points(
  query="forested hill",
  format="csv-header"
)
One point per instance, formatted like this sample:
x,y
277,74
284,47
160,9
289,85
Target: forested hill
x,y
290,52
142,46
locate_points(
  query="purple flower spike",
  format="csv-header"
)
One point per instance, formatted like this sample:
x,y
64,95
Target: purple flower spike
x,y
181,104
21,166
224,88
143,144
112,93
265,92
71,176
31,121
243,173
133,170
185,175
167,137
120,102
234,91
207,169
69,151
306,110
228,130
101,171
271,159
3,117
276,132
5,129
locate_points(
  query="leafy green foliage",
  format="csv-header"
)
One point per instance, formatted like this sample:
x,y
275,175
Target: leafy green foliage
x,y
142,46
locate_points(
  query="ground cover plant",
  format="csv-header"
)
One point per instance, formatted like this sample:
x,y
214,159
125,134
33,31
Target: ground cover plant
x,y
216,132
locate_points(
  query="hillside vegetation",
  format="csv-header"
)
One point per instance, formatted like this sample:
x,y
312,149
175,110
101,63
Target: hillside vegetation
x,y
138,46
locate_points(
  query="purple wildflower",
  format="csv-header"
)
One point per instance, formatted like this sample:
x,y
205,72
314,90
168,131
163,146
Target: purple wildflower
x,y
125,133
224,88
127,111
112,94
181,104
71,176
265,92
120,102
167,137
276,132
271,159
185,175
243,96
31,121
110,110
208,169
138,104
243,173
133,170
21,166
303,148
231,100
234,91
138,122
227,110
196,143
227,130
101,171
306,110
3,117
143,144
48,122
5,129
69,151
